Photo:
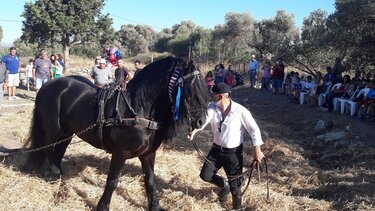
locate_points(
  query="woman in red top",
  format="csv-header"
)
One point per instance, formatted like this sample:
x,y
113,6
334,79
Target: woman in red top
x,y
210,79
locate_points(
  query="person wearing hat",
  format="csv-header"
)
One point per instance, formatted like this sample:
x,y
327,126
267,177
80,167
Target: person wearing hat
x,y
12,64
228,121
253,70
101,74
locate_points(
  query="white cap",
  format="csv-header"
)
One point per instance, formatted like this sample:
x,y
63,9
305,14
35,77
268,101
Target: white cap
x,y
102,61
253,56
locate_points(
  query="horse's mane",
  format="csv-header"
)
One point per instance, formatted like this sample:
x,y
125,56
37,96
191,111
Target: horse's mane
x,y
147,86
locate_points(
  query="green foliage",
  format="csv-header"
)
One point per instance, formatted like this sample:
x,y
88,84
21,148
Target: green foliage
x,y
352,32
66,22
26,49
230,40
136,39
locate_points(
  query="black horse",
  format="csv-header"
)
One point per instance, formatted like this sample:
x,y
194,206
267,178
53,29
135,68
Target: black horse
x,y
127,123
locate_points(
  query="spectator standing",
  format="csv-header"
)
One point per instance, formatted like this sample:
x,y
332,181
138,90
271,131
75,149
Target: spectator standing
x,y
57,68
101,74
253,69
278,76
137,66
337,70
42,70
219,73
12,64
210,81
29,73
60,60
266,77
229,76
3,77
122,74
96,61
228,121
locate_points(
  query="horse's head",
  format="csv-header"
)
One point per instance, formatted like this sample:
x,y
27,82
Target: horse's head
x,y
191,95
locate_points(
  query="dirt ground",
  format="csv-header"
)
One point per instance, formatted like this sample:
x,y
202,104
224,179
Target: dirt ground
x,y
305,173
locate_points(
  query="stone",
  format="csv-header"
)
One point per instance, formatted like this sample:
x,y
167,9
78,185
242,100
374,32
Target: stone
x,y
333,136
320,127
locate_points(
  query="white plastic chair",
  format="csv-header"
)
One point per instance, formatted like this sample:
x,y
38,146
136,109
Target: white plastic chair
x,y
310,92
322,97
342,101
352,104
302,97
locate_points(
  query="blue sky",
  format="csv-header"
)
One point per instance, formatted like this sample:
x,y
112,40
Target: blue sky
x,y
165,13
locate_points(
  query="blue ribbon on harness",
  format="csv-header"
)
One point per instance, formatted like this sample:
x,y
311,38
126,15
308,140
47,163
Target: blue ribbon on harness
x,y
178,99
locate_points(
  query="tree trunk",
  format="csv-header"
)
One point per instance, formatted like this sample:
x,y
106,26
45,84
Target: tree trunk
x,y
66,49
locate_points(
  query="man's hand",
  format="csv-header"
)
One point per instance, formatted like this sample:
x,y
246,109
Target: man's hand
x,y
258,154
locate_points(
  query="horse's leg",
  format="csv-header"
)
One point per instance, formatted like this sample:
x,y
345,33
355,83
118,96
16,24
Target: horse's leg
x,y
117,162
148,162
55,156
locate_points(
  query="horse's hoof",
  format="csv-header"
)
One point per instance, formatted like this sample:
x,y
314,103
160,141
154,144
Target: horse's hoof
x,y
156,208
102,208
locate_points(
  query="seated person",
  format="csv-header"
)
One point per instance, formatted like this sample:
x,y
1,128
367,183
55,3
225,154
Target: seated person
x,y
296,89
337,92
365,103
238,78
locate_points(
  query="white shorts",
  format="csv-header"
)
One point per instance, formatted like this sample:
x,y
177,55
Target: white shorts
x,y
13,80
40,82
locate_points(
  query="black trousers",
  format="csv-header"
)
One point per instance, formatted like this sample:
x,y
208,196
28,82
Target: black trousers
x,y
231,160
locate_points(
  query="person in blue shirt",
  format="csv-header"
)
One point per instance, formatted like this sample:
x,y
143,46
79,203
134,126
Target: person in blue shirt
x,y
253,69
12,64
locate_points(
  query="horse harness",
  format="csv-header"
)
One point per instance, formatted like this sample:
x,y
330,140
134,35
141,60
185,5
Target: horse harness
x,y
103,95
119,89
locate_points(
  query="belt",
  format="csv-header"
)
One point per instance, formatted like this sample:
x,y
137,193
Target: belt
x,y
224,149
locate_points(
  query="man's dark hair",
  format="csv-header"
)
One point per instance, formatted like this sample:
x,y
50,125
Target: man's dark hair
x,y
137,61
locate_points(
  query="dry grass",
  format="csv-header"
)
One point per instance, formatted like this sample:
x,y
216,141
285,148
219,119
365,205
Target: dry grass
x,y
296,182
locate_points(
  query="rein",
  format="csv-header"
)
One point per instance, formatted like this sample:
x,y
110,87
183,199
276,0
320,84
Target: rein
x,y
247,173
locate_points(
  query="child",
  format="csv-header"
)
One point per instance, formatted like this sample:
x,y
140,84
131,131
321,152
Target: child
x,y
209,80
29,73
296,89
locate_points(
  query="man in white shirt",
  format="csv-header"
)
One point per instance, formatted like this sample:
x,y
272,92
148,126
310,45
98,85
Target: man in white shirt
x,y
228,122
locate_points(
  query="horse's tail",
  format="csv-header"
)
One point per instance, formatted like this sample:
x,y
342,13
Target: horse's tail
x,y
36,139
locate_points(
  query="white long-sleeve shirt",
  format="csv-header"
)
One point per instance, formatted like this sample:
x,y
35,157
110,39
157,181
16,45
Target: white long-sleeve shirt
x,y
236,122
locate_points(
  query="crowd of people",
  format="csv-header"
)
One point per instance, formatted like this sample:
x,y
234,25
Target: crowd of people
x,y
107,68
330,88
221,75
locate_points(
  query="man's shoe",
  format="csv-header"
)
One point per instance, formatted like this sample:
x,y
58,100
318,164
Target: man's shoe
x,y
224,192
